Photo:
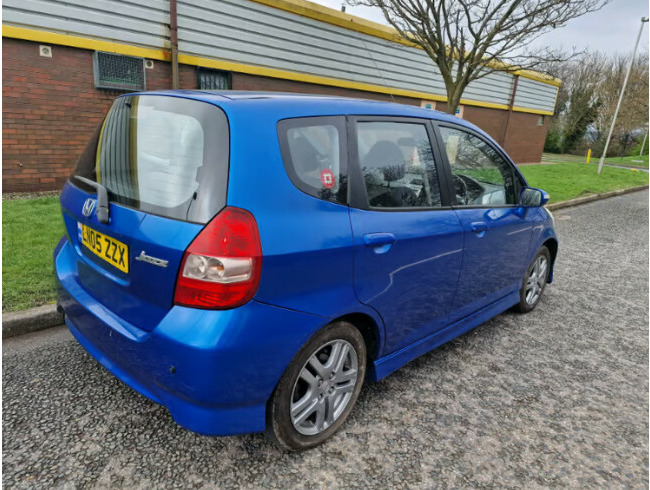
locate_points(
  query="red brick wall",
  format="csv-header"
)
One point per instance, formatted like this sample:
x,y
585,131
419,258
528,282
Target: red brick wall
x,y
492,121
525,139
51,108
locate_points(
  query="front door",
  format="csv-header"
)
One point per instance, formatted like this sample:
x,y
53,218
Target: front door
x,y
497,235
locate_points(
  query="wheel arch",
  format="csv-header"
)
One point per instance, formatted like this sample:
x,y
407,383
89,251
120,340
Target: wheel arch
x,y
552,245
370,333
368,329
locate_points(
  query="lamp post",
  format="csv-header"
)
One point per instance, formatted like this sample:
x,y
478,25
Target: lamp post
x,y
620,99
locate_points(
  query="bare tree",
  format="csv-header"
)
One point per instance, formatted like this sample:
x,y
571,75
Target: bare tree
x,y
591,85
468,39
578,102
633,114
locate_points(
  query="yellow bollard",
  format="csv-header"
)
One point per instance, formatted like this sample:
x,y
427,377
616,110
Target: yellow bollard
x,y
588,155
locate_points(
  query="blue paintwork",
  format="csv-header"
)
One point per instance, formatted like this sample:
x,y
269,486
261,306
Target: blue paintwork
x,y
422,278
144,296
392,362
307,264
226,362
413,285
495,248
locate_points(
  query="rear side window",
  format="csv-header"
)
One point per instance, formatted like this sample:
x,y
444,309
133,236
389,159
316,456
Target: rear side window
x,y
313,150
163,155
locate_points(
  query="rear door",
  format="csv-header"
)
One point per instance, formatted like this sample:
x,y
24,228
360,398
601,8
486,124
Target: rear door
x,y
485,188
164,163
407,240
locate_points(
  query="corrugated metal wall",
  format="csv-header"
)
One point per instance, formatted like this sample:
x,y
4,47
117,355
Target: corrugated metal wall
x,y
132,22
532,94
249,33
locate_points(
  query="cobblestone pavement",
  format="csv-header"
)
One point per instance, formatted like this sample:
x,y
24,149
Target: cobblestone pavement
x,y
558,397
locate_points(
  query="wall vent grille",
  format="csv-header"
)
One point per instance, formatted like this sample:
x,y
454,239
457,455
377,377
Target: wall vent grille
x,y
118,72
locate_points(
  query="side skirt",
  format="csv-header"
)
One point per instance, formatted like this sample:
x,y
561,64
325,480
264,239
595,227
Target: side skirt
x,y
390,363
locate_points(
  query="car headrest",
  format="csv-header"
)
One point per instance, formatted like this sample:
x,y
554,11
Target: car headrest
x,y
383,154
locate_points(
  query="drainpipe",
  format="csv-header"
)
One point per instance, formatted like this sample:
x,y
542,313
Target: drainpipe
x,y
173,34
510,106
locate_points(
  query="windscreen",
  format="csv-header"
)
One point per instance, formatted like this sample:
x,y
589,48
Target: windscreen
x,y
163,155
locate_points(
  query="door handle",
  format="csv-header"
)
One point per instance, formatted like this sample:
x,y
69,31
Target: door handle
x,y
478,227
380,242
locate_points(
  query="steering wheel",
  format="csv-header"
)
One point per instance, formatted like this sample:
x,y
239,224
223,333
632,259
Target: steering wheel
x,y
461,190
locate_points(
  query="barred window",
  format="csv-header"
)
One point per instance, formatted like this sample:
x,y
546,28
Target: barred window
x,y
118,72
212,79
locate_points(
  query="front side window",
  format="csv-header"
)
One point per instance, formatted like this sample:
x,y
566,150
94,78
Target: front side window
x,y
313,150
397,165
163,155
482,177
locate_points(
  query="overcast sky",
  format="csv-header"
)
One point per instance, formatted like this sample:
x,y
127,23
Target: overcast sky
x,y
612,29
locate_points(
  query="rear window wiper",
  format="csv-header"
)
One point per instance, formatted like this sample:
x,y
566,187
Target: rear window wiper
x,y
102,199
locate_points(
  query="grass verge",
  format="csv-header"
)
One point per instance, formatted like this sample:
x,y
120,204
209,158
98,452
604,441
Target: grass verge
x,y
631,161
31,228
569,180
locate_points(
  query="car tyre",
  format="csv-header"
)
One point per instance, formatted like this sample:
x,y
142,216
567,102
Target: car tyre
x,y
534,281
325,377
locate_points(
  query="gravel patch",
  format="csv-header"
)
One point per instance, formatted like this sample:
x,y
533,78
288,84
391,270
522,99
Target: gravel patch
x,y
14,196
558,397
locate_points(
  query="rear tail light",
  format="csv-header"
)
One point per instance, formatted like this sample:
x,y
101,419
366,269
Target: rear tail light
x,y
221,267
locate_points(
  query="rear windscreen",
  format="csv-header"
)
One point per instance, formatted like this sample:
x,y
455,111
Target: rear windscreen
x,y
163,155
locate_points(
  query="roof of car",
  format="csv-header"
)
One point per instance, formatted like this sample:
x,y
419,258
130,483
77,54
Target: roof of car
x,y
308,103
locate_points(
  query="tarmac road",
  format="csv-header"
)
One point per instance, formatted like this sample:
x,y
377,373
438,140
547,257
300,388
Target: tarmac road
x,y
558,397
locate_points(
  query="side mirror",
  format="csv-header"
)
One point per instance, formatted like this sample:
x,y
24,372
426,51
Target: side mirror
x,y
532,198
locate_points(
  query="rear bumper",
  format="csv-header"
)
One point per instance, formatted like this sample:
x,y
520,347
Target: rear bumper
x,y
213,370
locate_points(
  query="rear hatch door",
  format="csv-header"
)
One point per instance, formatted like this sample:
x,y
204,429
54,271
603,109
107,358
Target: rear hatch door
x,y
164,163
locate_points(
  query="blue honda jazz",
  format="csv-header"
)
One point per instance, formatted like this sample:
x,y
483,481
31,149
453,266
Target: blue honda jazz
x,y
247,260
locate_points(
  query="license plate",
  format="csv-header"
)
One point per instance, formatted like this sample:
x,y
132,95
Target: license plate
x,y
109,249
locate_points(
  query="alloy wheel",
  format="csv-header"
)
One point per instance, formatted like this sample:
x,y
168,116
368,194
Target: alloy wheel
x,y
536,280
324,387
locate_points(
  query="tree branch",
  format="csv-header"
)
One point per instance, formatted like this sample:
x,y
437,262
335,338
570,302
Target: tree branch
x,y
469,39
